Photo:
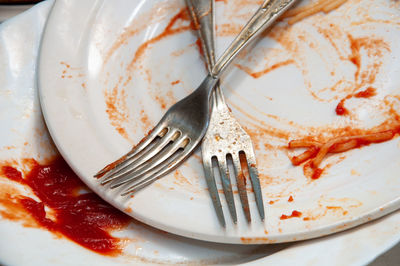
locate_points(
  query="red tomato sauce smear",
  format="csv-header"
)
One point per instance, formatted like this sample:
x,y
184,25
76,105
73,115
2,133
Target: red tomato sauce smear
x,y
67,208
368,93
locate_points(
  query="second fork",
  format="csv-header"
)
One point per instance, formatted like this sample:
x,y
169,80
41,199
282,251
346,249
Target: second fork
x,y
225,140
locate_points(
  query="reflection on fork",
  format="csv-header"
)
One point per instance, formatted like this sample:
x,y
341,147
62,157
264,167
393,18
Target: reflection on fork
x,y
225,142
182,128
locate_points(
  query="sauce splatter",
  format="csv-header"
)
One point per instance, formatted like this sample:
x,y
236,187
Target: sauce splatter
x,y
116,109
367,93
340,109
66,208
175,82
295,214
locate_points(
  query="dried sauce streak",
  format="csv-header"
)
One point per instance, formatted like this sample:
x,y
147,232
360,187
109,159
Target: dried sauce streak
x,y
295,214
368,93
374,49
261,73
82,217
115,99
169,30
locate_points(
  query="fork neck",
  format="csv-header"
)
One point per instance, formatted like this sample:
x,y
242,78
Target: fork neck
x,y
208,85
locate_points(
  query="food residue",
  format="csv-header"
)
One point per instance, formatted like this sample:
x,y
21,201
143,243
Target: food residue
x,y
340,109
116,106
260,73
295,214
367,93
317,151
362,55
63,205
175,82
116,109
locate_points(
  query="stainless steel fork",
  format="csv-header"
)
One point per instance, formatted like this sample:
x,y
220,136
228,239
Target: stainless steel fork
x,y
185,123
225,139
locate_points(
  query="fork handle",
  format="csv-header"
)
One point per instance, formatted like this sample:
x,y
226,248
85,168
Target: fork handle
x,y
268,12
202,13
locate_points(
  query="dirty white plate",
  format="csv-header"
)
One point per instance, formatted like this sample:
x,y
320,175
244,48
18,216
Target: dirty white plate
x,y
109,71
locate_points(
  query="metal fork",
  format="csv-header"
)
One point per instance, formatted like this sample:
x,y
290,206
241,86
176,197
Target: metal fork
x,y
224,137
185,123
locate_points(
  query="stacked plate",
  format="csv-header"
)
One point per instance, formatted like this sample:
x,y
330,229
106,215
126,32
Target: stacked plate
x,y
106,73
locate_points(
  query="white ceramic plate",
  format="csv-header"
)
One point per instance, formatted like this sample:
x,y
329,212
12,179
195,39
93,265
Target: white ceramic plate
x,y
108,72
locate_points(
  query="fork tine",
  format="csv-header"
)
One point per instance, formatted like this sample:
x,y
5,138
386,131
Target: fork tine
x,y
159,158
255,181
160,130
227,187
172,135
158,171
241,184
212,189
